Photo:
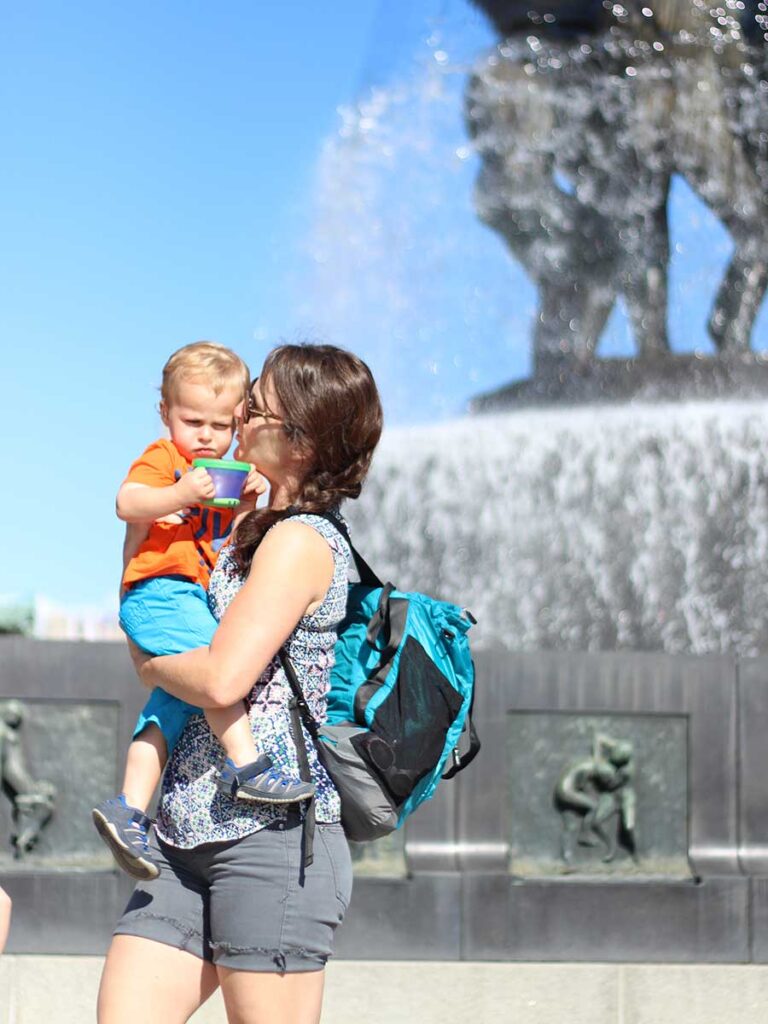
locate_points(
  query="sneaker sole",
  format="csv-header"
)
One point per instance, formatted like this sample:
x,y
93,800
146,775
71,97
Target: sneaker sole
x,y
136,867
249,798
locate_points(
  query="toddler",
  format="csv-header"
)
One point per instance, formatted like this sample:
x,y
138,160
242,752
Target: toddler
x,y
171,544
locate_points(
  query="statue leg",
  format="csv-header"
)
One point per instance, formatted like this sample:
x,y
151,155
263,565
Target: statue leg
x,y
725,171
567,836
596,302
16,775
639,195
571,317
645,277
566,246
589,833
573,802
32,813
592,832
606,809
739,298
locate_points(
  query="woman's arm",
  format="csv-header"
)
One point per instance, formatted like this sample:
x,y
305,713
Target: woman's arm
x,y
290,575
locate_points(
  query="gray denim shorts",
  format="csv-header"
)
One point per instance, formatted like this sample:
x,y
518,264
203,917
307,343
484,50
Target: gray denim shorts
x,y
242,904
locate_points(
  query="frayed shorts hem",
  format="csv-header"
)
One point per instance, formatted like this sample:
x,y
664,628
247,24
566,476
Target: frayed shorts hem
x,y
270,961
265,961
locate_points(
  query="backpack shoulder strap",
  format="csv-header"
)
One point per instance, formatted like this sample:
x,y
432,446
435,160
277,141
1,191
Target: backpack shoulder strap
x,y
462,759
299,712
298,694
367,576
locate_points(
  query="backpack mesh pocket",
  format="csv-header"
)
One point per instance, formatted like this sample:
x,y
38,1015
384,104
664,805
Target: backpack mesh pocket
x,y
415,718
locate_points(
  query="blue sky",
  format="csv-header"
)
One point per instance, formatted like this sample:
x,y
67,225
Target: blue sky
x,y
155,159
178,171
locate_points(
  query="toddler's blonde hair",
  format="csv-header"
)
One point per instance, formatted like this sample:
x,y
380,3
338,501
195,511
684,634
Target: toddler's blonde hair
x,y
215,364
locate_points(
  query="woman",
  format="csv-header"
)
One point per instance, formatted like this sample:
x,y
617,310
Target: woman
x,y
237,903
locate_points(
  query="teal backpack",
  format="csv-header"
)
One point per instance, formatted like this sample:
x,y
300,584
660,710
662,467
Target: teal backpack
x,y
399,706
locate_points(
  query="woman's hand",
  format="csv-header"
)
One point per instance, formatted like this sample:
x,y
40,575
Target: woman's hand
x,y
140,658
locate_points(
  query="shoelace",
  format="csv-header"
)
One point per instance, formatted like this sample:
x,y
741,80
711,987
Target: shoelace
x,y
140,836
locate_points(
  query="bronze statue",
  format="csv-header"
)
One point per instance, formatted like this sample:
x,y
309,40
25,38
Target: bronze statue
x,y
598,788
581,116
33,800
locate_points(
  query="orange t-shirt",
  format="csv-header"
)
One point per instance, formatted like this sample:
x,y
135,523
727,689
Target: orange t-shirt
x,y
186,549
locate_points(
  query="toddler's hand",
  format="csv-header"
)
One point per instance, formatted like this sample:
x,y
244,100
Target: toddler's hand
x,y
195,487
254,485
175,518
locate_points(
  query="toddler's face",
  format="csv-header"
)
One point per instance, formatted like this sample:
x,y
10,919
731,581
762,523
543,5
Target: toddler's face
x,y
201,422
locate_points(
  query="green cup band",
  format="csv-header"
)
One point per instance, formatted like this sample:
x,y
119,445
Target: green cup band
x,y
243,467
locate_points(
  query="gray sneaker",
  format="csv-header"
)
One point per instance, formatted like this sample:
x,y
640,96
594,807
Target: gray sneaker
x,y
260,782
124,829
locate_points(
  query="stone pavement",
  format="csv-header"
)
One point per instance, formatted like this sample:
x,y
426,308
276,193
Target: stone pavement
x,y
62,990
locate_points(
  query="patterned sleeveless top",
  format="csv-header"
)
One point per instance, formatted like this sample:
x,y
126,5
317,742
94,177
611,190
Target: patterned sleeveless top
x,y
191,811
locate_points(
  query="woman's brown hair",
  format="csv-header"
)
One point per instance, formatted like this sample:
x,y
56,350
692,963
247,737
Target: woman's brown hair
x,y
332,412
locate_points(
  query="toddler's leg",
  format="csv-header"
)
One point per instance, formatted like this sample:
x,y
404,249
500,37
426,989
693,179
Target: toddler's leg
x,y
122,821
163,616
144,766
247,773
233,731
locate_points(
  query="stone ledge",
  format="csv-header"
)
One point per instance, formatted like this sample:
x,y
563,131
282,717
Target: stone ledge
x,y
664,377
63,990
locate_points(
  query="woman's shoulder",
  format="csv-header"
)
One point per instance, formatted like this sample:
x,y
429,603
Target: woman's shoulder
x,y
331,609
324,526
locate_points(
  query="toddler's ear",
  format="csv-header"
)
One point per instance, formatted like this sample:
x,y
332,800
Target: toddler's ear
x,y
162,408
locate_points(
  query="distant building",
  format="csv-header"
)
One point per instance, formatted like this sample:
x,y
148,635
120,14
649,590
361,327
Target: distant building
x,y
44,619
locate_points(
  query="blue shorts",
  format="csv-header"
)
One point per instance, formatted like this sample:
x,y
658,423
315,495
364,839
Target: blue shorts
x,y
167,615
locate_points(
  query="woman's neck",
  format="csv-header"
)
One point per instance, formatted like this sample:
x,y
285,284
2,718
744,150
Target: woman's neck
x,y
283,495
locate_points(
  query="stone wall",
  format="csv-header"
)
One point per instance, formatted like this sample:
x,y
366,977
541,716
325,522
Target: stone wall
x,y
479,872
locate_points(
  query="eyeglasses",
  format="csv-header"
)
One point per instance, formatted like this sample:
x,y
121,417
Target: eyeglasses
x,y
250,409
